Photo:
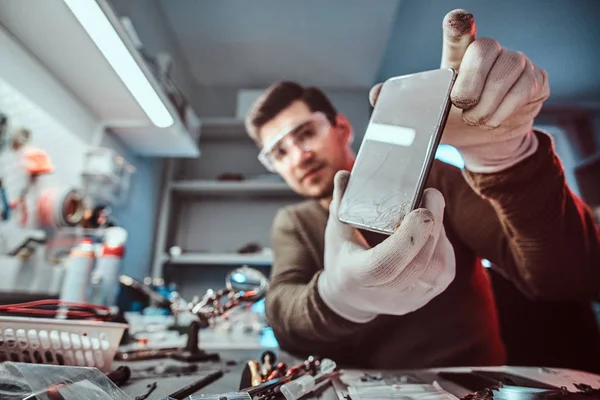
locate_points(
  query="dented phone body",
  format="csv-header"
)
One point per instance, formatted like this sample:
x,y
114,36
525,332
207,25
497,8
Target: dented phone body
x,y
397,151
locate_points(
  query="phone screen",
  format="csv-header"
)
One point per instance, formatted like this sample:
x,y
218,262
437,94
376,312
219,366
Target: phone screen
x,y
395,156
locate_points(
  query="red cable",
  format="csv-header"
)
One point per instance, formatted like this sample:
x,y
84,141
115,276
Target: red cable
x,y
94,311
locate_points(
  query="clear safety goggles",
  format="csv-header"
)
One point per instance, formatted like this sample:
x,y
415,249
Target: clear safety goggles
x,y
303,135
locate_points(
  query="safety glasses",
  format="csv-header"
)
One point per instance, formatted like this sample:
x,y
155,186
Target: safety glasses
x,y
303,135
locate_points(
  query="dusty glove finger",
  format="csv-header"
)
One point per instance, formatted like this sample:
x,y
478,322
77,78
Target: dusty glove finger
x,y
476,65
374,93
459,30
437,262
507,69
387,260
340,181
337,231
433,200
531,88
421,264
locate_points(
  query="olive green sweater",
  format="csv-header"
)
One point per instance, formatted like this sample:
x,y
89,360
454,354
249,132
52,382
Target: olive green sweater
x,y
524,220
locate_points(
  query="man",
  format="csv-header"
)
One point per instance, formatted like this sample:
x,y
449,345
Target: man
x,y
420,298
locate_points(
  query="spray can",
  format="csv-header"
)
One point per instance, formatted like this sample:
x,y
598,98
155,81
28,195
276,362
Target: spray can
x,y
78,272
108,265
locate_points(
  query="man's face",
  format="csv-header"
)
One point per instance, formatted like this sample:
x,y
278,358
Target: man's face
x,y
308,169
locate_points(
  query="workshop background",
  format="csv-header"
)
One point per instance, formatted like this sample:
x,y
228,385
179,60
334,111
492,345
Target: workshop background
x,y
197,202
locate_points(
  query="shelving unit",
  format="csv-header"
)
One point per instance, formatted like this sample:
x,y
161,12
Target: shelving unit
x,y
220,259
208,187
211,219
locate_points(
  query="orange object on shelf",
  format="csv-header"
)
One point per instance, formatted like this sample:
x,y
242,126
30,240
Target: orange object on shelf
x,y
38,162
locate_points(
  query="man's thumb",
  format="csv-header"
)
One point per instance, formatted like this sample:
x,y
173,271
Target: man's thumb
x,y
337,229
340,181
459,32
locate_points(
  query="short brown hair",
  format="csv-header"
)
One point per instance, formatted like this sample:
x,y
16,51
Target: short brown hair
x,y
278,97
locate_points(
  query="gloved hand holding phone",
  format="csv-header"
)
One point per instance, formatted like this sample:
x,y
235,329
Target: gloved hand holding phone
x,y
399,275
496,96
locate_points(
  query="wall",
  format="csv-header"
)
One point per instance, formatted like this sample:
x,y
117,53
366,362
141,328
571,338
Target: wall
x,y
138,213
33,98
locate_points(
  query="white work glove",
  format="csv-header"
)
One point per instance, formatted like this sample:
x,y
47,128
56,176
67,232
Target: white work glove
x,y
496,96
400,275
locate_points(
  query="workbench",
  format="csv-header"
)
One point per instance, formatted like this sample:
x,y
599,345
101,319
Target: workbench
x,y
231,380
236,350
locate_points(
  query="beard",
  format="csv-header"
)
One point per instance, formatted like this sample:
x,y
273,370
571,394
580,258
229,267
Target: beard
x,y
325,189
325,193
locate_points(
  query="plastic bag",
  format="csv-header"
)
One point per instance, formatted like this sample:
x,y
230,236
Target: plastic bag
x,y
20,381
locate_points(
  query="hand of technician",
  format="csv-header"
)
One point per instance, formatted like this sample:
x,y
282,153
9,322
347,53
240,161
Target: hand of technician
x,y
399,275
497,94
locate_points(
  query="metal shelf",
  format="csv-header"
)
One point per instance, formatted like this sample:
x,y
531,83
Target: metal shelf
x,y
231,187
220,259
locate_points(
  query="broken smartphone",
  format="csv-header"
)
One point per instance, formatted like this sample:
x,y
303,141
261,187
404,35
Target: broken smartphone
x,y
397,151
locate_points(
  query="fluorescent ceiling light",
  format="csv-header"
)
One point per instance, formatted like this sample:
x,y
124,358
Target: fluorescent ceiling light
x,y
97,25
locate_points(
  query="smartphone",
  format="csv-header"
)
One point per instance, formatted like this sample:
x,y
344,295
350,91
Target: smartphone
x,y
397,151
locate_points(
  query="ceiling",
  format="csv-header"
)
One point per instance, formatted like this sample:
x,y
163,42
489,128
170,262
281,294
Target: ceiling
x,y
333,43
355,43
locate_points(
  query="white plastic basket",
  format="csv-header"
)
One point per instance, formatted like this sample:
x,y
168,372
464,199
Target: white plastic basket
x,y
60,342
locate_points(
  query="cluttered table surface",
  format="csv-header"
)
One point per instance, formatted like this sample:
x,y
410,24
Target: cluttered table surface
x,y
233,363
520,383
233,360
443,384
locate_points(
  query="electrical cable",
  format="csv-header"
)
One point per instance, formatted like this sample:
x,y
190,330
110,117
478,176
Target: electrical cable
x,y
53,308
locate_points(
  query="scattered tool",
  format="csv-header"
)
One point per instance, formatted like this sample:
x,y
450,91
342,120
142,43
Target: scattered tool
x,y
20,138
196,386
120,376
279,371
190,353
306,383
37,163
151,388
161,371
3,132
271,388
255,378
268,359
5,214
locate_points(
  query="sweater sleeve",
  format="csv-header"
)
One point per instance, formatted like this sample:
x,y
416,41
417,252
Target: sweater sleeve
x,y
298,316
549,245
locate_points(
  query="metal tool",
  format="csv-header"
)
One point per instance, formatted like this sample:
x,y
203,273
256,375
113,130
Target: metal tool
x,y
271,389
165,371
243,285
190,353
279,371
196,386
3,132
255,378
120,376
306,383
5,213
151,388
268,359
221,396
